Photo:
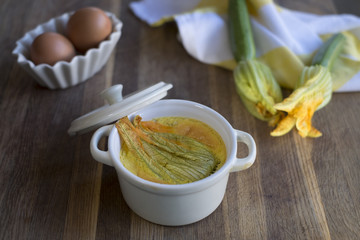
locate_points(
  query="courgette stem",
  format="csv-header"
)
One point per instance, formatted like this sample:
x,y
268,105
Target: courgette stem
x,y
329,51
241,37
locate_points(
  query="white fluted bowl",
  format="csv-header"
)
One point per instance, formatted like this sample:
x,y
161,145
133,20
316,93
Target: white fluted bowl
x,y
66,74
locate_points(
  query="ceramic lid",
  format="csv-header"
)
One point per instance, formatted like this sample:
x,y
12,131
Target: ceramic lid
x,y
118,106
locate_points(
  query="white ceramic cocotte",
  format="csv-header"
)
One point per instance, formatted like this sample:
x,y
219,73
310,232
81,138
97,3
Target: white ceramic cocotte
x,y
181,204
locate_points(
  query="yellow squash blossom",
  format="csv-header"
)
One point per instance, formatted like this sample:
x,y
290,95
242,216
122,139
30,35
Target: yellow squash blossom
x,y
304,101
255,84
313,91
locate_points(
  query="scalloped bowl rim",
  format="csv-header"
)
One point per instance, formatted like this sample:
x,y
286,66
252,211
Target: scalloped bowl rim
x,y
114,36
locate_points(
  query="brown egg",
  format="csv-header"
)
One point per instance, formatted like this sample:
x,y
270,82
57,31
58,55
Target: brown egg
x,y
88,27
50,48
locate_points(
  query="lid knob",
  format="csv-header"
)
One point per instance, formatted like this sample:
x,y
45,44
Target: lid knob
x,y
113,94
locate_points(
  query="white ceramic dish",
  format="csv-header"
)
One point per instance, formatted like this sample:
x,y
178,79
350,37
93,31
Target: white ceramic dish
x,y
66,74
182,204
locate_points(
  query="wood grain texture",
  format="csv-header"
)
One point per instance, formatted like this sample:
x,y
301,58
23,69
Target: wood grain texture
x,y
51,188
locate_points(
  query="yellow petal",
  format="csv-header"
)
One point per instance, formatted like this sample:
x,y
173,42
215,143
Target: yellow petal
x,y
305,112
276,119
284,126
314,133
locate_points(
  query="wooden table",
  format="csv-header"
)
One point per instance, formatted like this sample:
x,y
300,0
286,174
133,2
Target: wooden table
x,y
51,187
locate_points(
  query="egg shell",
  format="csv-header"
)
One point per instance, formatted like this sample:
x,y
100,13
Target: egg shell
x,y
65,74
87,27
51,47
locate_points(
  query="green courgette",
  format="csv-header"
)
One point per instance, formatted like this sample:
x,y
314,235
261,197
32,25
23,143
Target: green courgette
x,y
241,37
329,51
255,84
